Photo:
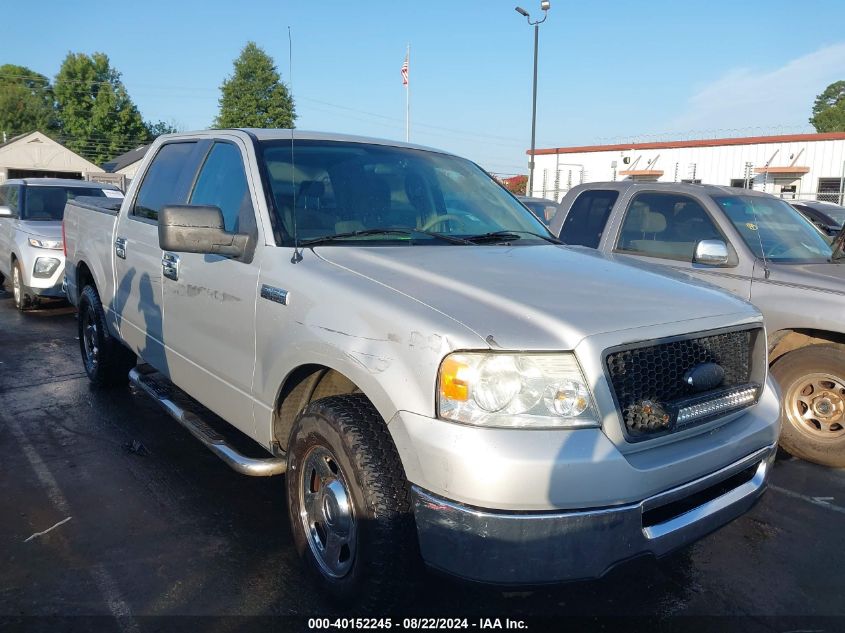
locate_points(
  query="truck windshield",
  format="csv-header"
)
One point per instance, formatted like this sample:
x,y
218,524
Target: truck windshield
x,y
837,214
340,193
47,204
772,228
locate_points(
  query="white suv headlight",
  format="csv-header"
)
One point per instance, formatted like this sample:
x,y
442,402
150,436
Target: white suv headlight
x,y
515,390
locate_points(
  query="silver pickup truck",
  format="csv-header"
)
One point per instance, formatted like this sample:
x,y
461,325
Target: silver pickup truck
x,y
757,247
407,342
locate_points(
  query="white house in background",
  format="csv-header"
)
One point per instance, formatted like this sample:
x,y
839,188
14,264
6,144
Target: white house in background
x,y
810,166
36,155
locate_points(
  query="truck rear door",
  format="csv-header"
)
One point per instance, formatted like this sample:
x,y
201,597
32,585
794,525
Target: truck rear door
x,y
136,254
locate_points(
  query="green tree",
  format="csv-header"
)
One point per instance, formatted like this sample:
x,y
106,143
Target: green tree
x,y
96,116
254,95
158,128
26,102
829,109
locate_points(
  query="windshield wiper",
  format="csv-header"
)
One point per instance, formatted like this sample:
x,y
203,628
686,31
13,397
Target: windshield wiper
x,y
508,236
338,237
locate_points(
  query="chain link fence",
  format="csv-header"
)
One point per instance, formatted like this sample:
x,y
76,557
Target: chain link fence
x,y
835,196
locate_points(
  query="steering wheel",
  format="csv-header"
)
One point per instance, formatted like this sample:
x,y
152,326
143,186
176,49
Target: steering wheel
x,y
443,218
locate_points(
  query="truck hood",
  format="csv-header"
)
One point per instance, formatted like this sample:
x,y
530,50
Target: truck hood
x,y
40,228
828,277
533,297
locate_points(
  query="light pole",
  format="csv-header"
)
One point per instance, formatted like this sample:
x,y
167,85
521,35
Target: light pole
x,y
544,6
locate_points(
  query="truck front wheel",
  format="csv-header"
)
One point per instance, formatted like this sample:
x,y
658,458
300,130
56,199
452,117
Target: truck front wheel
x,y
349,501
813,383
107,362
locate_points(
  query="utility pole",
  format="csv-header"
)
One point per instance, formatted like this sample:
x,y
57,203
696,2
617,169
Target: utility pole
x,y
544,6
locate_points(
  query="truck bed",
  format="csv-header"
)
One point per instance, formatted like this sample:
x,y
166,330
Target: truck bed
x,y
88,233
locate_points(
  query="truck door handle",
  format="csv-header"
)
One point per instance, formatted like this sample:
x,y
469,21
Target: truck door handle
x,y
170,266
120,247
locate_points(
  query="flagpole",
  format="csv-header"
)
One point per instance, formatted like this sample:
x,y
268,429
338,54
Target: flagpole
x,y
408,99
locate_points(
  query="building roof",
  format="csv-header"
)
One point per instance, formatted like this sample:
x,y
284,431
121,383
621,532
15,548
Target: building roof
x,y
15,139
710,142
37,151
126,159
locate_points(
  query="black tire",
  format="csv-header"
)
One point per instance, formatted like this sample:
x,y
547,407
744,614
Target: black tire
x,y
2,280
812,380
384,552
107,362
22,300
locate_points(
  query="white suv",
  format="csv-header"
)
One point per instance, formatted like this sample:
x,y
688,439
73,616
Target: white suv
x,y
31,248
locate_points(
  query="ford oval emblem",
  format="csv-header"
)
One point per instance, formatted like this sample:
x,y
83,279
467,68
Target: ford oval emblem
x,y
704,377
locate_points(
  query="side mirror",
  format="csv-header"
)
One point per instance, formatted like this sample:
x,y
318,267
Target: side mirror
x,y
711,252
198,229
6,212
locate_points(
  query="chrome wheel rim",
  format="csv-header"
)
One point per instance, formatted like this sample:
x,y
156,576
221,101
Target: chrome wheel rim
x,y
815,405
16,285
89,339
327,514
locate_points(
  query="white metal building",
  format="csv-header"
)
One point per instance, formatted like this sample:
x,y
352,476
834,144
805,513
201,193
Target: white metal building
x,y
36,155
792,166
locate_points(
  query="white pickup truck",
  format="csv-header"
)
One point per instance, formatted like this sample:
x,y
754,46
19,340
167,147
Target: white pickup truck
x,y
412,347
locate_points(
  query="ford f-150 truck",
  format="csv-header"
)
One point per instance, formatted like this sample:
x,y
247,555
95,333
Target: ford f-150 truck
x,y
756,246
429,367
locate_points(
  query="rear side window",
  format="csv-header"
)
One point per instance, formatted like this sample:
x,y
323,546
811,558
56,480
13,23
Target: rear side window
x,y
167,181
665,225
586,220
222,183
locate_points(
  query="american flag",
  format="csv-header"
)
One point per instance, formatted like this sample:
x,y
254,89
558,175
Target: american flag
x,y
405,71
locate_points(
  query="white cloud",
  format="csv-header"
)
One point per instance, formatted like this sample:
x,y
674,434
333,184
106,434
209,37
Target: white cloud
x,y
746,98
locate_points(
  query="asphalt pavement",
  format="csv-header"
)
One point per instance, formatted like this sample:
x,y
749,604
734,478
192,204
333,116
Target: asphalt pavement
x,y
109,509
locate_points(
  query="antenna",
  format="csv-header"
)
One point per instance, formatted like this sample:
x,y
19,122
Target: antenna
x,y
766,270
297,253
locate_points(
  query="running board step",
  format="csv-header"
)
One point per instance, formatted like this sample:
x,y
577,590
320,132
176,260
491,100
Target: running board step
x,y
177,403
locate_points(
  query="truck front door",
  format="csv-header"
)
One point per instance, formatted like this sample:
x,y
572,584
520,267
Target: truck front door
x,y
665,227
209,300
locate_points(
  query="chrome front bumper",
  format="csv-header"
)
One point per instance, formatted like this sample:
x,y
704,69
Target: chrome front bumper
x,y
542,547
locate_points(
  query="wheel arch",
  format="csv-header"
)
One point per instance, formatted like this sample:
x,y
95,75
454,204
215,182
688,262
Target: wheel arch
x,y
303,385
787,340
84,277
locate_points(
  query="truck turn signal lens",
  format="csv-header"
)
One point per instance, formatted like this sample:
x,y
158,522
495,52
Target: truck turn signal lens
x,y
454,380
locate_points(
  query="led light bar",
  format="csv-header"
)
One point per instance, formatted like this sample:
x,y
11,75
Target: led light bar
x,y
733,400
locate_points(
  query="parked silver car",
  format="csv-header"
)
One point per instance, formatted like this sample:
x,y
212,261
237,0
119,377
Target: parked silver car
x,y
31,248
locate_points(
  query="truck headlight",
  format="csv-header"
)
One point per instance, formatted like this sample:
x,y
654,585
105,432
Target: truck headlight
x,y
55,245
45,267
515,390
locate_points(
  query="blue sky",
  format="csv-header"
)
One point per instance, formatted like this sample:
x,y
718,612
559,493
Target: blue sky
x,y
608,70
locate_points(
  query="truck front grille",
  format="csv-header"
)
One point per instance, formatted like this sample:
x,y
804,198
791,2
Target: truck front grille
x,y
649,380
